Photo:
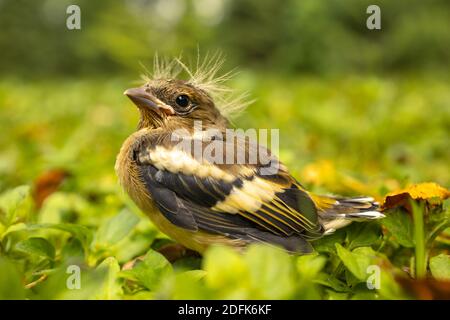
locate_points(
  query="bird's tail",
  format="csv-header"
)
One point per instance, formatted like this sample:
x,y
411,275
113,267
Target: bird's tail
x,y
335,212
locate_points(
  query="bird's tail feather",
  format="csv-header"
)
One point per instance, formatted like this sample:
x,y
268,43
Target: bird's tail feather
x,y
336,212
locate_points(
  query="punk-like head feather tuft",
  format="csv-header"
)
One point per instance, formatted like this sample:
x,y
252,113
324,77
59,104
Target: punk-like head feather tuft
x,y
204,75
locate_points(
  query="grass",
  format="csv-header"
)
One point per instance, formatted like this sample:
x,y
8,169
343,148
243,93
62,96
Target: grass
x,y
348,135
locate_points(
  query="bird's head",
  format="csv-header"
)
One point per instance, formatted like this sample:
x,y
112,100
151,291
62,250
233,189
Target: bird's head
x,y
165,100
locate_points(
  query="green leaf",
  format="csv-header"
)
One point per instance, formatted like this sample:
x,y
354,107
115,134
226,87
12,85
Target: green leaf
x,y
440,267
39,247
309,269
362,293
356,261
60,283
73,249
116,228
363,234
309,266
225,268
63,207
187,285
10,201
187,264
327,244
111,288
135,245
80,232
399,224
333,295
13,228
331,282
11,287
150,271
272,272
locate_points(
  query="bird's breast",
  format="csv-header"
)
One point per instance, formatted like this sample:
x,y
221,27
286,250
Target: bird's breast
x,y
128,173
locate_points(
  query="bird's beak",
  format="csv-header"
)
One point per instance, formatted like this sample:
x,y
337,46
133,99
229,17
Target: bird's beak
x,y
143,99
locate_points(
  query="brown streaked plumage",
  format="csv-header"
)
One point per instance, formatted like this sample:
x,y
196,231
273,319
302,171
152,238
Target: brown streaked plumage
x,y
131,180
198,201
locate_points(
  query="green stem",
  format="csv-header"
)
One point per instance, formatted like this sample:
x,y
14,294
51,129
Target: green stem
x,y
437,230
419,236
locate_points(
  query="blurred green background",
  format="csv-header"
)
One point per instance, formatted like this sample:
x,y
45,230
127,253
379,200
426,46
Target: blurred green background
x,y
360,111
293,36
374,102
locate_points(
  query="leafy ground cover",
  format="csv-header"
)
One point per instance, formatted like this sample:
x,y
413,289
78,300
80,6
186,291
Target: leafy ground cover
x,y
61,205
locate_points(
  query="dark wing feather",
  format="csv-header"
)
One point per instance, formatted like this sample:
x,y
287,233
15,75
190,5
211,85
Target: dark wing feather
x,y
193,202
193,216
167,201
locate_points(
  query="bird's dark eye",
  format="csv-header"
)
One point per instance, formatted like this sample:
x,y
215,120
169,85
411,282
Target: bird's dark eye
x,y
182,100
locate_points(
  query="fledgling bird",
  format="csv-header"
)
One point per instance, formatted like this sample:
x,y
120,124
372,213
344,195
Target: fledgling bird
x,y
199,202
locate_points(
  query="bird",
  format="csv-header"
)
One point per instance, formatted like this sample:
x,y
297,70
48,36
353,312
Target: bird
x,y
200,201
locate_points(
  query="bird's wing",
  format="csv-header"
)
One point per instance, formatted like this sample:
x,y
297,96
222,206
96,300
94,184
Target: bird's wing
x,y
197,194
